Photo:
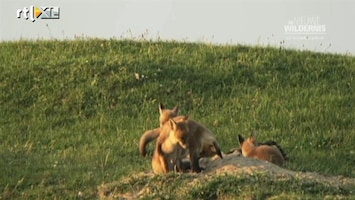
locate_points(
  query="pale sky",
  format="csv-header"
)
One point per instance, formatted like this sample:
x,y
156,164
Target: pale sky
x,y
254,22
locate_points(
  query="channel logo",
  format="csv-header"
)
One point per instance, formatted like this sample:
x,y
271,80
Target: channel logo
x,y
38,12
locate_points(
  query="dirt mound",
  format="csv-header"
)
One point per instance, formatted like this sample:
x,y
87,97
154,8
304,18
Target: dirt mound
x,y
235,163
142,184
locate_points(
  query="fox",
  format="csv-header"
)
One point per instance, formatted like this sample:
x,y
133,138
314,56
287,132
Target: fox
x,y
150,135
166,114
202,143
210,146
171,147
268,152
269,143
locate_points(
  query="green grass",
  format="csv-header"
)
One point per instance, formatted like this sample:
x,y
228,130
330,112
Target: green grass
x,y
72,112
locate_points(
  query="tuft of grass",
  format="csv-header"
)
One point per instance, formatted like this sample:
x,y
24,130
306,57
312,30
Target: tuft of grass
x,y
72,112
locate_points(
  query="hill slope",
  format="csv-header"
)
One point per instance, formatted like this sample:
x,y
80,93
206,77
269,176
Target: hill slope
x,y
72,112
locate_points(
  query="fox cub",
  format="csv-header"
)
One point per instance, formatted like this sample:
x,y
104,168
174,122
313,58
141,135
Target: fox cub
x,y
269,152
150,135
171,147
201,142
209,143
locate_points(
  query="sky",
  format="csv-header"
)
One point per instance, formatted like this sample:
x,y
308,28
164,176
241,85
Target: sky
x,y
316,25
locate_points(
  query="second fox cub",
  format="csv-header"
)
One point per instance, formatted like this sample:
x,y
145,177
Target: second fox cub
x,y
270,153
171,147
150,135
203,142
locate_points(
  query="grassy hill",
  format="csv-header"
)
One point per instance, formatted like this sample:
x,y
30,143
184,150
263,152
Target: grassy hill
x,y
72,112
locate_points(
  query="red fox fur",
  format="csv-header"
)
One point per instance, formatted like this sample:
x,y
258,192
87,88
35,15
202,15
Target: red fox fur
x,y
202,142
171,147
270,153
150,135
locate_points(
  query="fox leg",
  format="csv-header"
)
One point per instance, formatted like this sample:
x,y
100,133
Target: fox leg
x,y
178,163
162,159
164,164
217,149
194,158
178,166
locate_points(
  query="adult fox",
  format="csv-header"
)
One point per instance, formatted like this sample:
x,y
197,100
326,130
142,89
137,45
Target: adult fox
x,y
202,142
171,147
269,152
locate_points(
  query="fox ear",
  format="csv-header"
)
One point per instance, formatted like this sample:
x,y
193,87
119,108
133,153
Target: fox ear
x,y
172,124
241,139
252,138
186,117
161,108
176,110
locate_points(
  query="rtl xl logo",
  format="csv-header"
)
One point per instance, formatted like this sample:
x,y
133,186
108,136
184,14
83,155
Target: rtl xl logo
x,y
35,12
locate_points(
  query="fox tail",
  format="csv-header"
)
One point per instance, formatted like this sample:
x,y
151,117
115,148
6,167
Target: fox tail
x,y
273,143
146,138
